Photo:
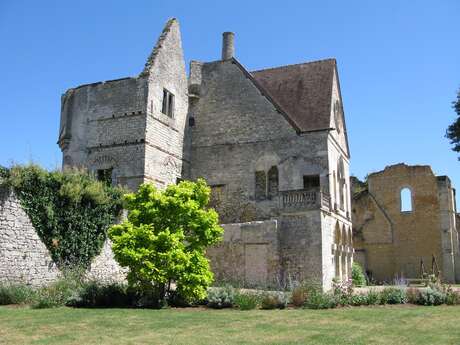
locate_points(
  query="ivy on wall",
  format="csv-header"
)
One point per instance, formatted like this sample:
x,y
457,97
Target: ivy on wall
x,y
70,210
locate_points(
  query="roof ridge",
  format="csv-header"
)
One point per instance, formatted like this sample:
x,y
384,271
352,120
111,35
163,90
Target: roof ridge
x,y
295,64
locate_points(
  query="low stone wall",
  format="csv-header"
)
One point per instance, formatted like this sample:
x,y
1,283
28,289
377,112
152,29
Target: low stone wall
x,y
248,255
25,259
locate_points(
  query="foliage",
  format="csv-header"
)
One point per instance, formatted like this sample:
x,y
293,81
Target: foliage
x,y
391,295
70,210
94,294
373,297
246,300
430,296
453,131
321,300
273,300
412,295
342,291
165,237
357,300
61,292
16,294
452,297
219,298
357,275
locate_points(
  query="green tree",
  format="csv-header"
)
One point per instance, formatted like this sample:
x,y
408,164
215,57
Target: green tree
x,y
357,275
164,239
453,131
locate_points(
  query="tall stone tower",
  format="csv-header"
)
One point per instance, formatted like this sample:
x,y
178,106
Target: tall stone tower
x,y
131,130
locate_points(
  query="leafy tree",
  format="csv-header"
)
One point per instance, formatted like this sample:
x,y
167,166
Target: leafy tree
x,y
453,131
164,239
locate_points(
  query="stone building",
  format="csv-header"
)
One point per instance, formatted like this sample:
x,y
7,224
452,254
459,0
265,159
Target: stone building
x,y
406,214
271,143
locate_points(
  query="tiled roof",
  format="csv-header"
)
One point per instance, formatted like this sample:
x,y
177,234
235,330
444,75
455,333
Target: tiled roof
x,y
303,91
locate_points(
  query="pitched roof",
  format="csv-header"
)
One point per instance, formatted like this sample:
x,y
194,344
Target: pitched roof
x,y
303,91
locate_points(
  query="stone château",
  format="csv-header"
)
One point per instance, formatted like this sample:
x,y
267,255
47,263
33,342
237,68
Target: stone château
x,y
271,143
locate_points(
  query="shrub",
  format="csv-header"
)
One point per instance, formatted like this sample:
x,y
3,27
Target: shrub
x,y
452,297
219,298
373,297
320,300
16,294
273,300
70,210
246,301
94,294
357,275
343,292
412,295
164,240
356,300
431,296
392,295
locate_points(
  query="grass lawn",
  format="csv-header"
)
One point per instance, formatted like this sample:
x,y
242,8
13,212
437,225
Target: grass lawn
x,y
361,325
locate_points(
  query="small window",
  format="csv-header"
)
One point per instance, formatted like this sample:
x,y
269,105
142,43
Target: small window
x,y
273,182
261,185
105,176
406,200
311,182
167,106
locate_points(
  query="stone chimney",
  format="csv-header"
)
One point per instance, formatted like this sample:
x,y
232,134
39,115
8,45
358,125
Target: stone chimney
x,y
228,45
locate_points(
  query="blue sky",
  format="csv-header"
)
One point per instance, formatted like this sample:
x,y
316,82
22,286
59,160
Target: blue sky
x,y
399,64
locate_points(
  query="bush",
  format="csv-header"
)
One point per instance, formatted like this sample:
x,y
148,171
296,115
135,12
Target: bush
x,y
94,294
412,295
452,297
357,275
373,297
70,210
431,296
343,292
273,300
60,292
246,301
320,300
219,298
392,295
357,300
16,294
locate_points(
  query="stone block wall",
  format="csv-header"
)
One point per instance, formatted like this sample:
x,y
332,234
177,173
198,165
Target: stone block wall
x,y
24,258
248,255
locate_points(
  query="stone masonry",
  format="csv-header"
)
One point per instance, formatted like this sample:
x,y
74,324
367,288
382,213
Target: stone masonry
x,y
272,144
25,259
391,238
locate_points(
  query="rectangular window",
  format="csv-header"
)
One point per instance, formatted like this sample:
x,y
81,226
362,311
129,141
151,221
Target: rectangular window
x,y
105,176
261,185
167,106
311,181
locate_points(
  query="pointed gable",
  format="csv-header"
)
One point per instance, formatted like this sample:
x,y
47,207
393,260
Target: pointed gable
x,y
170,36
304,91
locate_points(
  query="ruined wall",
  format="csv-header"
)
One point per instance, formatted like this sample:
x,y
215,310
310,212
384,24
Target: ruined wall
x,y
164,134
103,126
249,255
393,242
25,259
23,256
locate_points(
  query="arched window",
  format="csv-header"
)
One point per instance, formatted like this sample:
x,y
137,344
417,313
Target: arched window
x,y
406,200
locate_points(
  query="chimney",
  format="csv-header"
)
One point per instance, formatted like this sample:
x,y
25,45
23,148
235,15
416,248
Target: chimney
x,y
228,47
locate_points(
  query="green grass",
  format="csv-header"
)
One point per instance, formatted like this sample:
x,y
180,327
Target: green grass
x,y
362,325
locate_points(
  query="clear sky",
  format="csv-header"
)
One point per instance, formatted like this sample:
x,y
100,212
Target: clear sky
x,y
399,64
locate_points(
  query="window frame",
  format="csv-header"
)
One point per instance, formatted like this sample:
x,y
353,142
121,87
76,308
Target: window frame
x,y
168,103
